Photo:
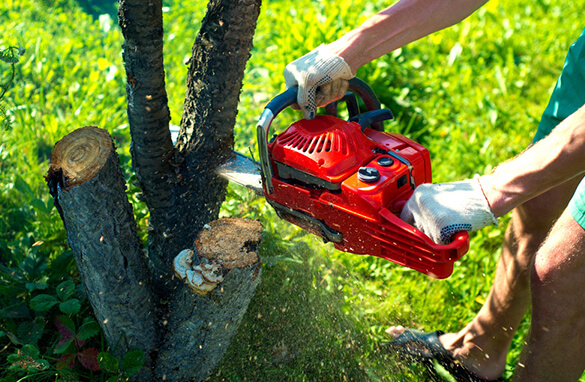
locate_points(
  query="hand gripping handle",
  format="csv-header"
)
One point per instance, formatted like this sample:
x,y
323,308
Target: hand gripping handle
x,y
288,98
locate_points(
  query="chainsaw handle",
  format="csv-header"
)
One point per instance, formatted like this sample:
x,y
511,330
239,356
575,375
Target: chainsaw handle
x,y
356,85
288,98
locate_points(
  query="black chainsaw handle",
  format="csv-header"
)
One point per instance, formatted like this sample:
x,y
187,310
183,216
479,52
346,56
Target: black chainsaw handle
x,y
356,85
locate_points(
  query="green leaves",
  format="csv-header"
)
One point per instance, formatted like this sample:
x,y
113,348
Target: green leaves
x,y
43,302
132,362
27,359
67,305
12,54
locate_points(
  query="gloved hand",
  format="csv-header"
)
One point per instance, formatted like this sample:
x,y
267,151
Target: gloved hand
x,y
321,76
440,210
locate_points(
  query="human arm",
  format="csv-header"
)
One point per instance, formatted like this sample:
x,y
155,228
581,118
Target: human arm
x,y
330,66
398,25
551,161
439,209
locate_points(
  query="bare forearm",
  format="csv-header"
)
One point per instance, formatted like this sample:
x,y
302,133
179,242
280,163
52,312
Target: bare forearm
x,y
398,25
550,162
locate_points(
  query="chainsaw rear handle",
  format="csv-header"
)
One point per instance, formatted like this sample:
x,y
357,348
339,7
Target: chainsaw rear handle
x,y
288,98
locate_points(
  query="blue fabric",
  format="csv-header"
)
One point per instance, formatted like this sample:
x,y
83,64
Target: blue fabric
x,y
577,204
567,97
569,92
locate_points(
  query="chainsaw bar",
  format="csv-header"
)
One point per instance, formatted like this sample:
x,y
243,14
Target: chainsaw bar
x,y
243,171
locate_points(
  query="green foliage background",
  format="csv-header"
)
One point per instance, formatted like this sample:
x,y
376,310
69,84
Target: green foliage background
x,y
472,94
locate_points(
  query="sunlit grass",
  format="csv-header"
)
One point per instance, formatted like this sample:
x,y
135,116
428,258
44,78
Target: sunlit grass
x,y
472,94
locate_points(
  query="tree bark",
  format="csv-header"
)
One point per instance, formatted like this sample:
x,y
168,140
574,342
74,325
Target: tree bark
x,y
148,117
214,80
201,326
88,188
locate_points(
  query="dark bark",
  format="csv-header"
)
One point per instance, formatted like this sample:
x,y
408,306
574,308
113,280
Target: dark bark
x,y
215,75
202,326
88,188
148,117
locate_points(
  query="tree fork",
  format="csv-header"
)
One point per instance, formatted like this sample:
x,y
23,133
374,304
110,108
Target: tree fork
x,y
88,188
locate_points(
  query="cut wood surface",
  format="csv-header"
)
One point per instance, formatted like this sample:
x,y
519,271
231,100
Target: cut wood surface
x,y
79,156
230,242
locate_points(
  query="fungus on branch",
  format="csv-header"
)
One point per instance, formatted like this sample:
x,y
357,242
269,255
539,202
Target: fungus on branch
x,y
201,278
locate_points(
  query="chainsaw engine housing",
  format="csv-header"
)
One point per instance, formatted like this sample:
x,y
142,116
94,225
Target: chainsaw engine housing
x,y
348,182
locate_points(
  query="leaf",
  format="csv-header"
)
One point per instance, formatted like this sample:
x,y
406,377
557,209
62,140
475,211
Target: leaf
x,y
65,290
19,310
30,332
65,326
108,362
132,362
13,338
39,285
71,306
27,359
41,208
66,361
87,330
22,187
43,302
89,359
63,345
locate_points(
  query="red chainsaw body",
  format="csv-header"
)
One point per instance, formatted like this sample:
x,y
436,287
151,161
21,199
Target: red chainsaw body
x,y
349,186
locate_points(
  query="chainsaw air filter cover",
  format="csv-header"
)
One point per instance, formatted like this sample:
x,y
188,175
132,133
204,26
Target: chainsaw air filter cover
x,y
323,151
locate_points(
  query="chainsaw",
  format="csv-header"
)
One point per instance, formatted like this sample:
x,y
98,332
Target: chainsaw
x,y
346,181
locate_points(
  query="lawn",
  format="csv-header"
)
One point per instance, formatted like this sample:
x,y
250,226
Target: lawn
x,y
472,94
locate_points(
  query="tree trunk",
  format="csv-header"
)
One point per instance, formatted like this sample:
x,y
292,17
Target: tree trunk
x,y
203,322
148,117
88,188
222,269
137,300
214,80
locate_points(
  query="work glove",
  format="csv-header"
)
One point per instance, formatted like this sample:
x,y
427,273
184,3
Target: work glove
x,y
440,210
321,76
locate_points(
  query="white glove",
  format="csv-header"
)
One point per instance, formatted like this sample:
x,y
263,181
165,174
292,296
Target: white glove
x,y
440,210
321,76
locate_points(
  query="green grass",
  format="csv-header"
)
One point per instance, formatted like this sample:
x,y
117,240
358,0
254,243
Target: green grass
x,y
472,94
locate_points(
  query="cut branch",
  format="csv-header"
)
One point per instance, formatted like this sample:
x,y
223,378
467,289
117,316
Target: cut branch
x,y
88,188
204,319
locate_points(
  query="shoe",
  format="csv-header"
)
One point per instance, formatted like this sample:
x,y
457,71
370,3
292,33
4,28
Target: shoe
x,y
426,348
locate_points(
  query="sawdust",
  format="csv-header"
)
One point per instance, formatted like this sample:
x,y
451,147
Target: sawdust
x,y
232,242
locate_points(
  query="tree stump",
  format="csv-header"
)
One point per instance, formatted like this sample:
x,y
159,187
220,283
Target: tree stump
x,y
205,317
88,188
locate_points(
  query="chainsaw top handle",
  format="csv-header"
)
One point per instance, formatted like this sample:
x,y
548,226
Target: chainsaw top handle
x,y
356,85
288,98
